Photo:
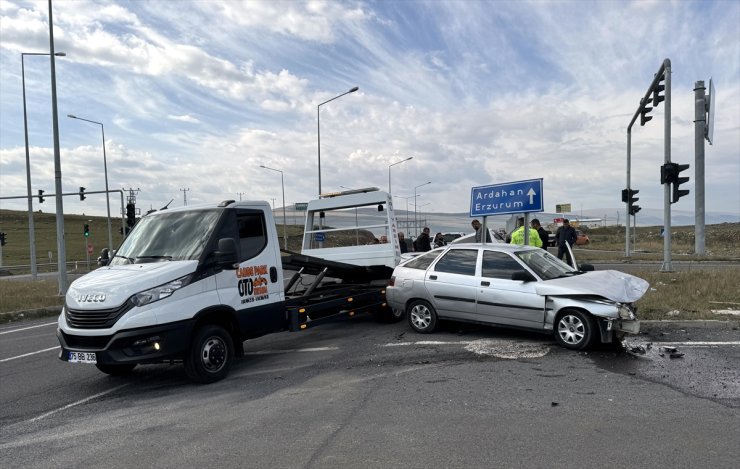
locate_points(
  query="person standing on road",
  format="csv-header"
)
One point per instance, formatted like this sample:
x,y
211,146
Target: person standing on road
x,y
402,242
439,240
479,232
422,243
565,234
544,235
517,236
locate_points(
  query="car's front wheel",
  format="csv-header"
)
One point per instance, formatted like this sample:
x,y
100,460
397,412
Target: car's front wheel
x,y
575,330
422,317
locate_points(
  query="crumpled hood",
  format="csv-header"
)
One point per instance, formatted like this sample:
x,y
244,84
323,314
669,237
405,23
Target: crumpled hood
x,y
108,287
610,284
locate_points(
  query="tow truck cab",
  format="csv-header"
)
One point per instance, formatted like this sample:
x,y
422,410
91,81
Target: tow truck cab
x,y
177,272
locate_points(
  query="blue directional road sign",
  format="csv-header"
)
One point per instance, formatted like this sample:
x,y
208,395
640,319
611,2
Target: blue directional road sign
x,y
509,197
319,237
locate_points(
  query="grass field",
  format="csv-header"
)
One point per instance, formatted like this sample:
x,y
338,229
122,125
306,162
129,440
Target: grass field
x,y
695,294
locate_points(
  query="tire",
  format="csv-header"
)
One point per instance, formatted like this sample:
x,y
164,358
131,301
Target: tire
x,y
575,330
389,315
422,317
210,356
116,369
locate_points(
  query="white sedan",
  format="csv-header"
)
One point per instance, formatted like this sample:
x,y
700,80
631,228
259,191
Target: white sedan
x,y
516,286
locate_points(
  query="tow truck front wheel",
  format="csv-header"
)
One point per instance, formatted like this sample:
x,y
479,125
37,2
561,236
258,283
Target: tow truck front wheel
x,y
210,356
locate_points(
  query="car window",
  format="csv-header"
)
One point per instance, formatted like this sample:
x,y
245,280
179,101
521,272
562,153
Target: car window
x,y
422,261
458,261
499,265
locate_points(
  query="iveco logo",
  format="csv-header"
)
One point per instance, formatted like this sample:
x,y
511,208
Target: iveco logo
x,y
91,298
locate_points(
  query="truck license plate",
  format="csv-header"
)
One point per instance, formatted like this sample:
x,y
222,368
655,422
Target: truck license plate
x,y
83,357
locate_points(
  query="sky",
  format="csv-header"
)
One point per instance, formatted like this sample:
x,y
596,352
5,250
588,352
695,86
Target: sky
x,y
194,96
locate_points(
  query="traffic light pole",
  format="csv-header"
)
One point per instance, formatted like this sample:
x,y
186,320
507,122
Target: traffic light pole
x,y
667,267
664,73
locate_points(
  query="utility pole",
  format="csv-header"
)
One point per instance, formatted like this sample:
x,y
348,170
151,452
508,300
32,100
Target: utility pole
x,y
240,194
185,196
703,117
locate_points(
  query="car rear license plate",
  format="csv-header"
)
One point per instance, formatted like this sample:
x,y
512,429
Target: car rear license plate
x,y
83,357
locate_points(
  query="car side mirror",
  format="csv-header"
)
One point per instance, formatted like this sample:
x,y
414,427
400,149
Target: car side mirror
x,y
586,268
522,276
226,253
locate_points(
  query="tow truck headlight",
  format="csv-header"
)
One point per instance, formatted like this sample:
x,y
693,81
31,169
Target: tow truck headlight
x,y
160,292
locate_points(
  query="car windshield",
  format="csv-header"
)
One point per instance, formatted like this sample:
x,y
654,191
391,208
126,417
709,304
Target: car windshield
x,y
545,265
172,236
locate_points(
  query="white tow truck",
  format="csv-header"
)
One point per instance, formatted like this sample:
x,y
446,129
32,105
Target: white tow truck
x,y
192,284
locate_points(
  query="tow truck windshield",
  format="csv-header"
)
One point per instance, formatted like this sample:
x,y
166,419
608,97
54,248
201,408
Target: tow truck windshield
x,y
175,236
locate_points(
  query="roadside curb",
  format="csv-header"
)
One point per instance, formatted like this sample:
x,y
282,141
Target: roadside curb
x,y
16,316
699,323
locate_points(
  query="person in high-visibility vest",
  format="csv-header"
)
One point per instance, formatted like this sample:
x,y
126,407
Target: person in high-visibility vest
x,y
517,236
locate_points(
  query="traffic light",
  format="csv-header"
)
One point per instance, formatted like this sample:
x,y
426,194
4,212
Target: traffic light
x,y
2,239
631,199
678,193
657,98
669,174
644,110
86,230
130,214
82,193
41,199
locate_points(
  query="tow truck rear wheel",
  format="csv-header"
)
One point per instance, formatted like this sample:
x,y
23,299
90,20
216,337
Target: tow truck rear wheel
x,y
210,356
389,315
116,369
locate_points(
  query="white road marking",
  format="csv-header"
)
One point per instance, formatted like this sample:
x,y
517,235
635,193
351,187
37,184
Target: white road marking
x,y
427,342
312,349
29,354
73,404
698,344
29,327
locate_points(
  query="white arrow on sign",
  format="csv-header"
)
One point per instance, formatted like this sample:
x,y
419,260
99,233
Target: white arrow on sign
x,y
531,195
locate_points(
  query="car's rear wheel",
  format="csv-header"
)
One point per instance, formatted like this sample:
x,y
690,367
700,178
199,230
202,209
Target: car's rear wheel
x,y
422,316
575,330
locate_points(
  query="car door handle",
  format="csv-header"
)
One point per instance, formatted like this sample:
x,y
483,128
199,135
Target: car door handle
x,y
432,277
485,284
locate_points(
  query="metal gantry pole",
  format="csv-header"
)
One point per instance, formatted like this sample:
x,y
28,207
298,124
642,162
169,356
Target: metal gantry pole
x,y
700,123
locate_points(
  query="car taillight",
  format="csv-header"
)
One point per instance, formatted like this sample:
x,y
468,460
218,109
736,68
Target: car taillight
x,y
392,281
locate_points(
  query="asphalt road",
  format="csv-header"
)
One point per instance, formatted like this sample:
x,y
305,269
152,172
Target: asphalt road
x,y
356,393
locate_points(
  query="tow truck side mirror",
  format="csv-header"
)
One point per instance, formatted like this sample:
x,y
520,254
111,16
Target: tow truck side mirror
x,y
226,254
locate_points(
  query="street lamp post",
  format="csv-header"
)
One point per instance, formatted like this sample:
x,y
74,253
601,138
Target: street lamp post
x,y
416,223
285,223
318,128
31,229
389,170
407,208
105,169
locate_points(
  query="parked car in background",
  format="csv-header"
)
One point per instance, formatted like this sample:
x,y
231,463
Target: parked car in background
x,y
516,286
582,238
